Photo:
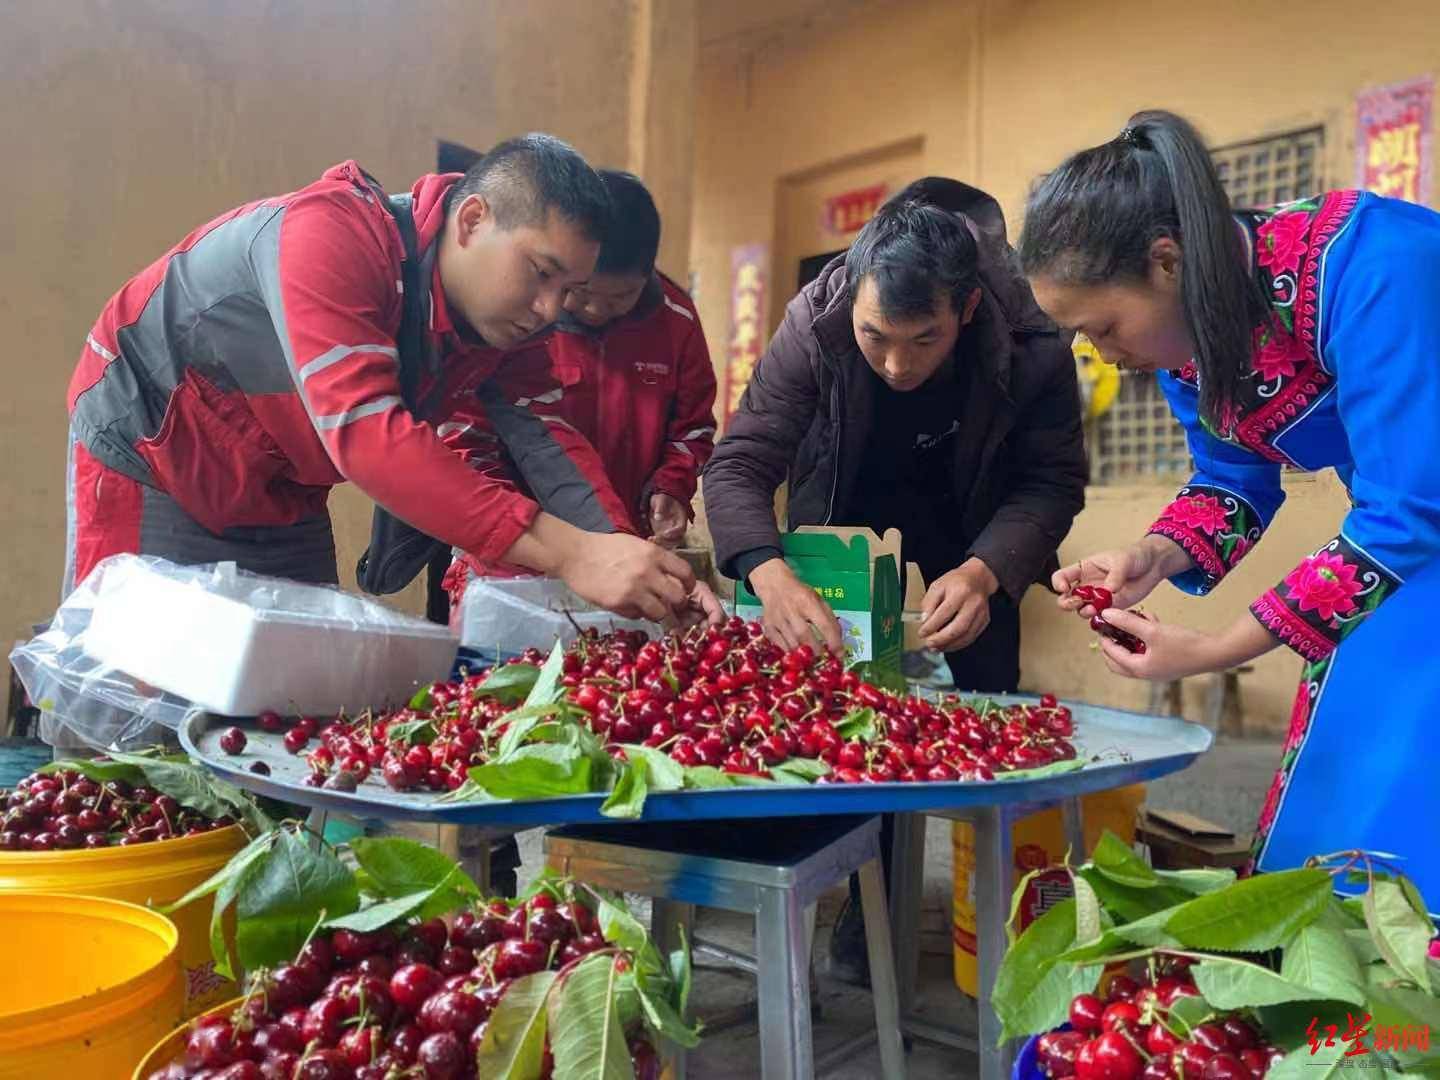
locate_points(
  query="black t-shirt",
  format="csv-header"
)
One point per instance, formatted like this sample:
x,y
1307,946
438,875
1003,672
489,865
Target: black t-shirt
x,y
906,479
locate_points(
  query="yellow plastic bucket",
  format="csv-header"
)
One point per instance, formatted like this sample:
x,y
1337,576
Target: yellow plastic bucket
x,y
153,874
172,1046
90,985
1037,842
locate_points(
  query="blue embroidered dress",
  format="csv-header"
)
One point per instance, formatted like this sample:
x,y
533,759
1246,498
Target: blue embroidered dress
x,y
1346,376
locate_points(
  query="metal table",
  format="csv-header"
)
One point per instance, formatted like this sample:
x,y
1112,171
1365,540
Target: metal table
x,y
1128,747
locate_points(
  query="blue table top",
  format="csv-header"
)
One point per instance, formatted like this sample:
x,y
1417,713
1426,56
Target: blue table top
x,y
1128,748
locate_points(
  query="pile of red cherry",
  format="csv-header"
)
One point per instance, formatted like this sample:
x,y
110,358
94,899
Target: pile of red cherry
x,y
1130,1035
1100,598
384,1005
727,697
722,696
64,810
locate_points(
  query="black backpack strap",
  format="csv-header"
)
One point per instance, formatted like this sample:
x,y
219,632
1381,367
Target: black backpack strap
x,y
410,339
398,551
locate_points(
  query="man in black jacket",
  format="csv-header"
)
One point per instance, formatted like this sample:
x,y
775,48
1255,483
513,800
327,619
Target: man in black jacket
x,y
914,385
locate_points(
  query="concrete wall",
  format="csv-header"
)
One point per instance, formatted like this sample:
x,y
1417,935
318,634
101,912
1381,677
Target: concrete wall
x,y
128,122
995,92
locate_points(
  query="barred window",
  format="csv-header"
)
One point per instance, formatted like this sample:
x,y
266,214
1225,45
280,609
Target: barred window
x,y
1137,439
1264,172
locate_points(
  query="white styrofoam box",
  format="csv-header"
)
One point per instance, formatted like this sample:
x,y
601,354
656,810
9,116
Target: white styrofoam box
x,y
515,614
238,644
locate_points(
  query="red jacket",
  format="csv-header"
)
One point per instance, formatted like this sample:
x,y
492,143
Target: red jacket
x,y
633,404
644,395
253,367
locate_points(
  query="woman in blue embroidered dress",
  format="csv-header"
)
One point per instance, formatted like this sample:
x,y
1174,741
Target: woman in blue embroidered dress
x,y
1305,335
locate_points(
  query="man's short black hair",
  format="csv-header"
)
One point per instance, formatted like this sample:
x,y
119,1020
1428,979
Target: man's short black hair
x,y
525,178
633,238
912,251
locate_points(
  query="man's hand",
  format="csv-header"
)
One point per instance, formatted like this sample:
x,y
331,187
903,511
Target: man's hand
x,y
956,608
702,606
794,613
668,519
629,576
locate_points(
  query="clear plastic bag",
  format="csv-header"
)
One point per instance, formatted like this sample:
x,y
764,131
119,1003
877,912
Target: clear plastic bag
x,y
506,616
102,706
143,642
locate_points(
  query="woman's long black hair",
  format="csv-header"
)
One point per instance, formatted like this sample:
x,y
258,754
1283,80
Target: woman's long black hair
x,y
1094,219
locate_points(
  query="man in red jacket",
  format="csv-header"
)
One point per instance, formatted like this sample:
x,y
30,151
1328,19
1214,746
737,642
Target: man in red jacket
x,y
301,340
647,395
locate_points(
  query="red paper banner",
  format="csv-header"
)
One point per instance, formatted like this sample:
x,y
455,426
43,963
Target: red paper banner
x,y
747,321
1393,152
848,212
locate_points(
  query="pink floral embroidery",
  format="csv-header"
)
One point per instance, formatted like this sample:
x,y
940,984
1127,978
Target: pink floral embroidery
x,y
1325,584
1279,356
1242,545
1202,512
1299,716
1272,803
1283,242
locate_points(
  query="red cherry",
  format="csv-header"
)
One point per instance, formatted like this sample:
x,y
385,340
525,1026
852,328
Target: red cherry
x,y
1190,1059
1212,1037
1116,1058
232,741
211,1046
318,954
1086,1012
1183,990
1122,988
451,1010
352,946
1057,1052
405,1043
1160,1040
323,1021
441,1056
1225,1067
517,957
1256,1060
1240,1034
361,1046
1120,1015
413,984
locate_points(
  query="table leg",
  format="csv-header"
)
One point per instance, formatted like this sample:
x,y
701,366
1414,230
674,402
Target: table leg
x,y
907,873
1071,814
882,973
473,854
786,1046
992,906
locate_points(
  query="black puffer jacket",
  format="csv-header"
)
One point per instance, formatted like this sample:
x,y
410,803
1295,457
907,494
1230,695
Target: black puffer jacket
x,y
1019,464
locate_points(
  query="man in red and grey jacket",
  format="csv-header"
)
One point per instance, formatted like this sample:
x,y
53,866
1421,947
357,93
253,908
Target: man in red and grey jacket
x,y
623,379
627,371
302,340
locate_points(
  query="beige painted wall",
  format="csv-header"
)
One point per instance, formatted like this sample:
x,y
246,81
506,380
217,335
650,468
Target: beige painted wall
x,y
128,122
998,91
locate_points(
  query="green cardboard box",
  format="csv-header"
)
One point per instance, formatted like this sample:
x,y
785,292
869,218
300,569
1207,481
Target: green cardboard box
x,y
858,574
